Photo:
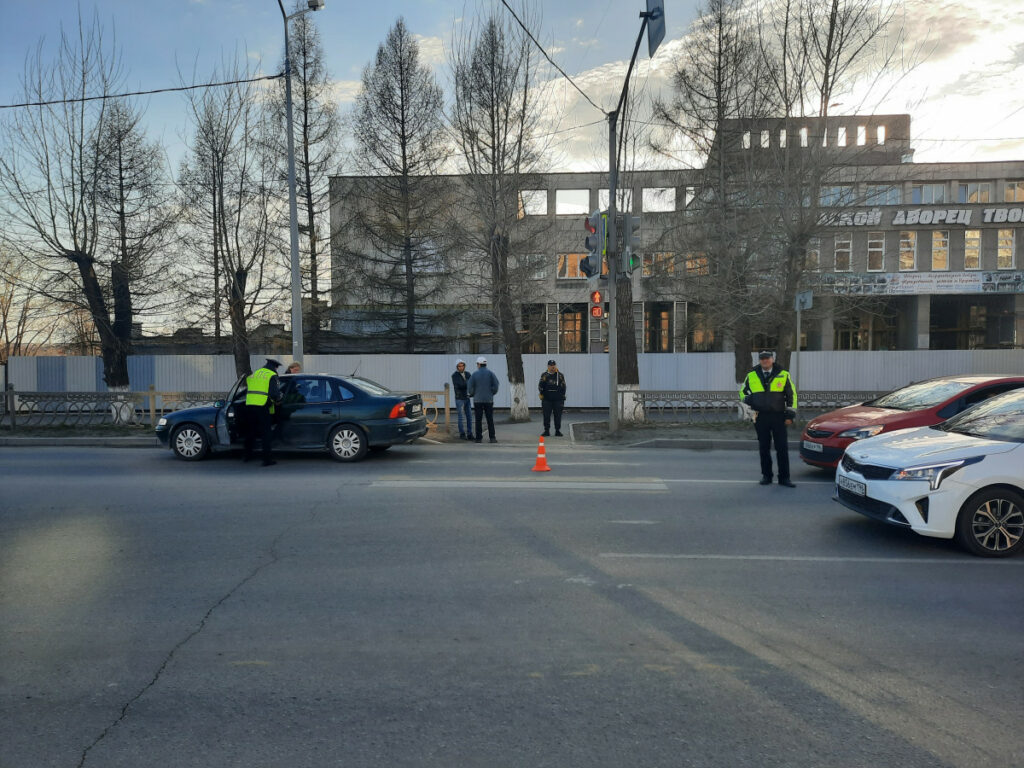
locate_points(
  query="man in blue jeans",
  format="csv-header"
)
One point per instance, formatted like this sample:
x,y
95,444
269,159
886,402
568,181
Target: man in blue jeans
x,y
482,387
460,380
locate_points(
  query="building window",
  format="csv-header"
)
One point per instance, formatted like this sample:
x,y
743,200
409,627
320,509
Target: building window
x,y
908,251
696,264
844,245
533,202
659,200
746,139
1004,249
572,202
530,266
862,135
812,255
880,134
878,194
782,137
840,194
765,140
804,134
623,200
1013,192
569,266
972,249
841,136
572,323
927,194
658,327
974,192
700,335
876,251
940,250
658,264
534,329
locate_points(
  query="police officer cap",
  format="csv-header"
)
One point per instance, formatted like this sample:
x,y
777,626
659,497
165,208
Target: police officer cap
x,y
765,353
481,361
552,362
271,363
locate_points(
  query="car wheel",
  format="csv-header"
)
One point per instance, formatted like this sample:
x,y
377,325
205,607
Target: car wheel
x,y
189,442
991,523
347,443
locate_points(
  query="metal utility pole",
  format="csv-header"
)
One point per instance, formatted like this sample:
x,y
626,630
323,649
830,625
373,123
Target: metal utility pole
x,y
654,23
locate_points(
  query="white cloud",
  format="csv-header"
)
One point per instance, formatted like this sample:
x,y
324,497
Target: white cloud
x,y
432,50
345,91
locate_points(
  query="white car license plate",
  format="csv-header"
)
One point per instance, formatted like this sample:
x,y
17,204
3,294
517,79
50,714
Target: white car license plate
x,y
853,486
816,447
416,409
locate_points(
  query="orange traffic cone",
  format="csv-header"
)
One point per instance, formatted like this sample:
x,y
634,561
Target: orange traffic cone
x,y
542,462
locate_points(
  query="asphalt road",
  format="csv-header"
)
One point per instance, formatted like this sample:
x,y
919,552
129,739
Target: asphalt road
x,y
446,606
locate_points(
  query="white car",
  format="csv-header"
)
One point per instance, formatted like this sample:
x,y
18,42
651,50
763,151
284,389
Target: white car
x,y
963,478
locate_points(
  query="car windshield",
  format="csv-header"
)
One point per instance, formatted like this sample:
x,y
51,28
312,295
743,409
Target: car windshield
x,y
368,386
998,418
924,394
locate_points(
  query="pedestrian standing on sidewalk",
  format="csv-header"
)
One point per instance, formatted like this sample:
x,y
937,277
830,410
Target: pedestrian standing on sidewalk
x,y
482,387
460,380
769,390
552,397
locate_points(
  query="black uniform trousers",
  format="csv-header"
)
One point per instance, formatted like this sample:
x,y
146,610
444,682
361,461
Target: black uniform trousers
x,y
258,423
772,427
552,407
480,410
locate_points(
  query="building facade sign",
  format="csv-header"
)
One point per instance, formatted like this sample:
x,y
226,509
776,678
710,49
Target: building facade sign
x,y
916,283
906,217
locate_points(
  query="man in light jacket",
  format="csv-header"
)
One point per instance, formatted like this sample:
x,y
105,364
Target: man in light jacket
x,y
482,387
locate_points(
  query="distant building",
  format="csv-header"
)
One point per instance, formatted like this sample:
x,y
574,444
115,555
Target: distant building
x,y
908,256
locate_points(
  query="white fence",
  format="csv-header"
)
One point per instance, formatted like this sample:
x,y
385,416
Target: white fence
x,y
587,375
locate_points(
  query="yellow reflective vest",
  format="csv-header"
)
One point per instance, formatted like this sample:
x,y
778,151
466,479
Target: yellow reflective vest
x,y
257,387
780,395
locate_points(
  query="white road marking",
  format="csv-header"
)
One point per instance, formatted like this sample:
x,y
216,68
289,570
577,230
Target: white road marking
x,y
810,559
526,483
742,482
633,522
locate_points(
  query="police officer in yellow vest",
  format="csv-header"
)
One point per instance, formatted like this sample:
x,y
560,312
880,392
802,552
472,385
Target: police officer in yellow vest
x,y
769,390
262,391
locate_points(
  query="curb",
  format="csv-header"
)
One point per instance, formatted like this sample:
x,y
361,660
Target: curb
x,y
75,442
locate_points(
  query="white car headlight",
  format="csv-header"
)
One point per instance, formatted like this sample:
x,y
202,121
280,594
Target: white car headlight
x,y
861,432
162,422
934,474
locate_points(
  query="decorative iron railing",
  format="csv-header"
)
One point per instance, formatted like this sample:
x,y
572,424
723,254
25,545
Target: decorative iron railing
x,y
714,406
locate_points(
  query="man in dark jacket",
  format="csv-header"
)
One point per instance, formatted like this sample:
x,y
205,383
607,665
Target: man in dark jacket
x,y
482,387
460,380
552,397
769,390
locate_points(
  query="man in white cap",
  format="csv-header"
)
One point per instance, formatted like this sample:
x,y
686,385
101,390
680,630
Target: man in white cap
x,y
482,387
460,380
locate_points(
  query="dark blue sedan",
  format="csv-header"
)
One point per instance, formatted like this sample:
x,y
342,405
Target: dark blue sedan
x,y
347,416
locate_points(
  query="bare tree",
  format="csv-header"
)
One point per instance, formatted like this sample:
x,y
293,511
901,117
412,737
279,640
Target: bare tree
x,y
396,254
317,129
50,171
748,83
26,319
230,184
495,124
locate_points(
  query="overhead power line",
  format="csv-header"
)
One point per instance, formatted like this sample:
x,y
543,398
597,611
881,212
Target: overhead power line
x,y
553,63
140,93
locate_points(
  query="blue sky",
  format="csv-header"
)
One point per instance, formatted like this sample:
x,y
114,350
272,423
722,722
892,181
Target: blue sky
x,y
960,80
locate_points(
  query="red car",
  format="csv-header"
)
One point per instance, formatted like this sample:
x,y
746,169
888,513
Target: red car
x,y
917,405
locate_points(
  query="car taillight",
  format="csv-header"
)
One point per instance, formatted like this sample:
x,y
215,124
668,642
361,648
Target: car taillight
x,y
398,411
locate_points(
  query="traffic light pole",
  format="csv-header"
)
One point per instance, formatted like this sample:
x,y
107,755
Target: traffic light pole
x,y
613,276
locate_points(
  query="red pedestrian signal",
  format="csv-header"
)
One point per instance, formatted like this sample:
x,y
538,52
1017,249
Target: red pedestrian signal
x,y
595,297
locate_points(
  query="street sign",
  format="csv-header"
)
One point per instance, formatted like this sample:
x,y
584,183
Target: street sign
x,y
804,300
655,25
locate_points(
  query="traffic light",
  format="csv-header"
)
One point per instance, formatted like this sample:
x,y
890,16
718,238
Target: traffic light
x,y
596,307
594,224
631,253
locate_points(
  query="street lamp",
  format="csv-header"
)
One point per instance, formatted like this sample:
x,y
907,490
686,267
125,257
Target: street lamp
x,y
293,214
